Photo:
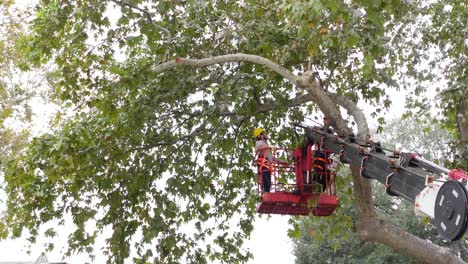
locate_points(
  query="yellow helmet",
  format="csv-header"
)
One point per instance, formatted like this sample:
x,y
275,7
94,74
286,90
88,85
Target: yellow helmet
x,y
258,131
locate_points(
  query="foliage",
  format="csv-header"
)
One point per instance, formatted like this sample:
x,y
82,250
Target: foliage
x,y
422,135
10,92
17,87
443,66
17,90
149,153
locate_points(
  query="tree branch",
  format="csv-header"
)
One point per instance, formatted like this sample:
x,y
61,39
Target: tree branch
x,y
17,100
376,230
238,57
323,100
150,19
355,111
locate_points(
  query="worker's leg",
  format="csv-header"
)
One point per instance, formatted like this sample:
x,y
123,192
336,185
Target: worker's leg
x,y
266,180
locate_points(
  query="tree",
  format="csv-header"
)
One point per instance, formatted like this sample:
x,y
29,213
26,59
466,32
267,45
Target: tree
x,y
424,136
13,93
165,95
328,240
17,90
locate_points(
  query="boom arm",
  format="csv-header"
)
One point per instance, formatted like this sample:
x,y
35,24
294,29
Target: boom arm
x,y
436,191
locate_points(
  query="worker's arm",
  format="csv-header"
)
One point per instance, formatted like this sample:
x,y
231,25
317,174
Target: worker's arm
x,y
261,145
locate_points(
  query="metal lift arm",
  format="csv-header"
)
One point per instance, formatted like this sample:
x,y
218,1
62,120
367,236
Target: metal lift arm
x,y
437,192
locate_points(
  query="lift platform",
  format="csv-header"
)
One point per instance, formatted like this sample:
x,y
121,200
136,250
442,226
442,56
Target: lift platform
x,y
287,203
303,180
299,186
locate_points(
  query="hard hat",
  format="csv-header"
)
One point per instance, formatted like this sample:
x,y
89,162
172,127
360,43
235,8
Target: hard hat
x,y
258,131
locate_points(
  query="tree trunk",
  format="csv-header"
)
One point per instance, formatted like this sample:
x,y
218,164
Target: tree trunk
x,y
462,120
371,228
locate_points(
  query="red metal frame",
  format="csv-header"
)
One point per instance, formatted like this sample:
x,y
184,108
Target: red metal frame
x,y
301,198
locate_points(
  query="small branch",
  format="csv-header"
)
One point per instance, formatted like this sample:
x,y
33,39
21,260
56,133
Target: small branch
x,y
150,19
316,72
332,72
17,100
296,101
311,63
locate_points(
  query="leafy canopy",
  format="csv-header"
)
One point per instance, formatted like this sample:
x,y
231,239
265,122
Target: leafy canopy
x,y
148,153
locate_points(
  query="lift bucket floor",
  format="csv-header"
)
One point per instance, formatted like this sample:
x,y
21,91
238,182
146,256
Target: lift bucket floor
x,y
286,203
326,205
283,203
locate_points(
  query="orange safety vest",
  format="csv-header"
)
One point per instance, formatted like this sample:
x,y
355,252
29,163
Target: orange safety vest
x,y
262,159
320,162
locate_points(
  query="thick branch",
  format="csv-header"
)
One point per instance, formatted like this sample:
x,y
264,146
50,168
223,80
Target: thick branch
x,y
362,188
376,230
363,195
296,101
355,111
228,58
324,102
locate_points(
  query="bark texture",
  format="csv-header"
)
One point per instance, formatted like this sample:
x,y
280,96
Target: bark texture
x,y
462,120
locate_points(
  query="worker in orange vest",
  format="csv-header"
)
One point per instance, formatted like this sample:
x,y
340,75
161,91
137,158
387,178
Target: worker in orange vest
x,y
264,157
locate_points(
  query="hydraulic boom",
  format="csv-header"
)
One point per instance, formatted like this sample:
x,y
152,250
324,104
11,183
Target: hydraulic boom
x,y
436,192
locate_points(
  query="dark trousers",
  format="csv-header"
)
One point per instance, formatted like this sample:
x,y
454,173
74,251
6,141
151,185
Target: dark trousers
x,y
266,179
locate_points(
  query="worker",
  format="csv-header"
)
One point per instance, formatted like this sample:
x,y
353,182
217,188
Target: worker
x,y
326,121
327,124
320,159
320,168
263,157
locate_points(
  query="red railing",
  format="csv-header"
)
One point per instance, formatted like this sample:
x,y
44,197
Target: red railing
x,y
296,165
281,163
